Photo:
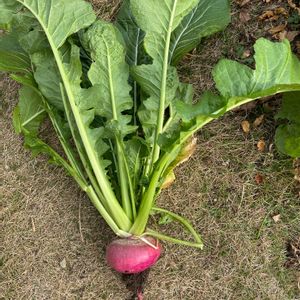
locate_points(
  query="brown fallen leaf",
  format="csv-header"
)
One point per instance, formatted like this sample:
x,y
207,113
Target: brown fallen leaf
x,y
246,126
281,11
266,15
277,29
276,218
244,16
291,35
281,35
259,179
258,121
261,146
294,6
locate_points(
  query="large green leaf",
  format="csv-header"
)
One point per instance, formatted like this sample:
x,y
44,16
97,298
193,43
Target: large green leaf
x,y
207,18
61,18
30,112
110,73
28,116
7,11
47,77
12,57
132,34
159,80
277,70
288,135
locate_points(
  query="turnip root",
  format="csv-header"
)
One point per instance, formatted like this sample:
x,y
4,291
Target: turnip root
x,y
133,255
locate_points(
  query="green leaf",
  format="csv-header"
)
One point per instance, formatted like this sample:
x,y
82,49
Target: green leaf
x,y
30,112
288,135
61,18
288,139
132,34
28,116
277,70
159,81
209,105
207,18
47,76
136,152
7,10
12,57
290,108
110,73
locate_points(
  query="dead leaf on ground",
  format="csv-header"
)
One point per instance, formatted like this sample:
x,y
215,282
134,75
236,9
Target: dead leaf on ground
x,y
266,15
246,126
259,179
281,35
276,218
244,16
291,35
261,146
294,6
258,121
293,254
277,29
273,15
281,11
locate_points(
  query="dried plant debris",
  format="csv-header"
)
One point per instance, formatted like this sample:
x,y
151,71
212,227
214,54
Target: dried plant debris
x,y
293,254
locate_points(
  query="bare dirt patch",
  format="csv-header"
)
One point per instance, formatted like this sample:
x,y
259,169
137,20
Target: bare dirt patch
x,y
52,241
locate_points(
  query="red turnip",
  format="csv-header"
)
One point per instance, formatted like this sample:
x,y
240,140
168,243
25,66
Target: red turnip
x,y
130,256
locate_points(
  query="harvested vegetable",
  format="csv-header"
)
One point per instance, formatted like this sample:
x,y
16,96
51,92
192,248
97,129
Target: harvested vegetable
x,y
113,95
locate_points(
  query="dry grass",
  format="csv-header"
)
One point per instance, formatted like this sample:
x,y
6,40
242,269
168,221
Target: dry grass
x,y
45,255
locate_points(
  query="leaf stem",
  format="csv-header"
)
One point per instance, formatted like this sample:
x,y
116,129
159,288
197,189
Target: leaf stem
x,y
167,238
162,102
181,220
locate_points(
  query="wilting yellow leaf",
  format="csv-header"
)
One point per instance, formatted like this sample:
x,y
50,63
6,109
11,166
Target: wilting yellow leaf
x,y
169,180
